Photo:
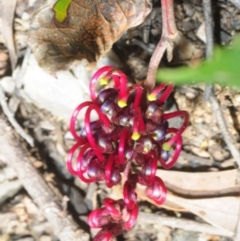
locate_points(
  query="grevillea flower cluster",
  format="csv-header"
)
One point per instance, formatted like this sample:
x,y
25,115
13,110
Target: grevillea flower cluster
x,y
131,130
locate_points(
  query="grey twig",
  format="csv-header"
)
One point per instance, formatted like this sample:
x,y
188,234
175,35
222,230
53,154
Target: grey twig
x,y
224,129
18,79
199,160
210,96
15,155
209,90
207,11
12,120
150,218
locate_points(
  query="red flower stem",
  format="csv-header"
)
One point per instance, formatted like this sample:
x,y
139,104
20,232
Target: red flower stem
x,y
169,33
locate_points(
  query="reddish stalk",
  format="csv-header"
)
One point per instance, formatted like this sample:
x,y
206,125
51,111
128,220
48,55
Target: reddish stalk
x,y
169,34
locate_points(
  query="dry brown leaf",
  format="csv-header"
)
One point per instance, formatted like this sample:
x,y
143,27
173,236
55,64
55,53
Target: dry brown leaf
x,y
201,183
89,30
222,212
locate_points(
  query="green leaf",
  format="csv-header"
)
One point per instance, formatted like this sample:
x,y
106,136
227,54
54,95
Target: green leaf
x,y
60,9
223,68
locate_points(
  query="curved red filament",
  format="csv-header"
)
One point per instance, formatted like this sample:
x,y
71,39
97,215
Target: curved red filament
x,y
95,79
133,214
89,134
70,157
122,145
129,194
177,150
185,115
74,119
150,167
157,191
109,171
113,208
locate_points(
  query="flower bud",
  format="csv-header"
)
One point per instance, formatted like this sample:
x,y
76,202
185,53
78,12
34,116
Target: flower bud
x,y
109,107
154,113
106,94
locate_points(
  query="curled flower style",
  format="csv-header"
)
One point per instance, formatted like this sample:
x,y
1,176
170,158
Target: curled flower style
x,y
131,129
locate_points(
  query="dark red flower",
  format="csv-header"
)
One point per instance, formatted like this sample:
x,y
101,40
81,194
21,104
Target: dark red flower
x,y
131,128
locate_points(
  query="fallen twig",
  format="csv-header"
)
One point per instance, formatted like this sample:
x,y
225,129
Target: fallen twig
x,y
12,120
199,160
169,34
14,154
207,11
18,80
209,90
224,129
150,218
210,96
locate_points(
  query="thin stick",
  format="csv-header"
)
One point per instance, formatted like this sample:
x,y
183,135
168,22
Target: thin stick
x,y
210,96
207,11
150,218
12,120
13,153
198,160
224,129
169,34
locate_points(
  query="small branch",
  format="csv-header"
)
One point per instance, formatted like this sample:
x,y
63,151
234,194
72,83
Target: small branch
x,y
18,80
13,153
198,160
224,129
13,122
169,34
207,11
149,218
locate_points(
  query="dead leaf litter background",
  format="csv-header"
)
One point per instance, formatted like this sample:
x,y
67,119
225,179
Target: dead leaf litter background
x,y
203,188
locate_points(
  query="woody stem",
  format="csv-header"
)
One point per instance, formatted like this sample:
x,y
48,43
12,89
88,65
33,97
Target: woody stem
x,y
169,34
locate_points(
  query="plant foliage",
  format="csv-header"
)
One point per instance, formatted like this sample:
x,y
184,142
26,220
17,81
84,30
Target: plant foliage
x,y
223,68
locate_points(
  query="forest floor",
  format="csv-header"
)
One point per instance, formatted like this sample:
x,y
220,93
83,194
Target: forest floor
x,y
203,186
